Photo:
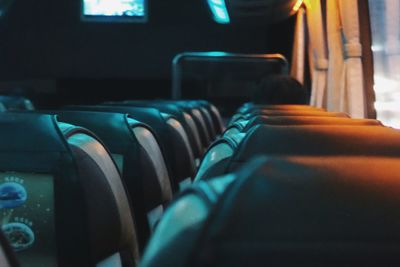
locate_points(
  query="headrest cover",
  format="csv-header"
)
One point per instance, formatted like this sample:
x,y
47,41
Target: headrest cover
x,y
300,120
318,140
307,210
312,210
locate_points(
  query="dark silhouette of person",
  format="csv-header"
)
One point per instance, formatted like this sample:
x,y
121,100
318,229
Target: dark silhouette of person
x,y
280,89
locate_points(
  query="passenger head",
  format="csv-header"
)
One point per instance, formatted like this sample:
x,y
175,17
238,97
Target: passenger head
x,y
280,89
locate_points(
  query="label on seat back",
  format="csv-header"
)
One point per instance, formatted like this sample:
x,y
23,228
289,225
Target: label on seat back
x,y
154,216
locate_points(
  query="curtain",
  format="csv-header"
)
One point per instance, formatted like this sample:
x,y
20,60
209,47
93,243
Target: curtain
x,y
345,90
317,53
299,45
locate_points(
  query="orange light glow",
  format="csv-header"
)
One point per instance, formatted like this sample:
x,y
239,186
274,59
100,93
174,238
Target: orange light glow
x,y
297,6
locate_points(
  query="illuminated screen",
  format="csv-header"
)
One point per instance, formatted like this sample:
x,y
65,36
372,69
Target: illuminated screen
x,y
122,10
27,217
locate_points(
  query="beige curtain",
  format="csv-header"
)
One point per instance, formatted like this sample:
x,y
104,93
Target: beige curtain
x,y
345,91
299,44
317,53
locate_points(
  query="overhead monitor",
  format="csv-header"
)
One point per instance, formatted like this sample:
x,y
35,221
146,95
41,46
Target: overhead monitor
x,y
114,10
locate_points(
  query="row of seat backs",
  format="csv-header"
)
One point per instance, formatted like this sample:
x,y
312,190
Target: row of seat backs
x,y
93,222
147,179
244,126
135,149
203,118
308,211
187,121
261,132
317,198
172,139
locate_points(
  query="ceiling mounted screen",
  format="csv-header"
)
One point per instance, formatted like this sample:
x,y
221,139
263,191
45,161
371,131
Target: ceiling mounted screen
x,y
114,10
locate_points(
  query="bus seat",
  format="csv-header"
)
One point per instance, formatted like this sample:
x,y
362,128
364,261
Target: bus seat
x,y
205,114
271,113
170,140
312,140
76,206
300,120
318,140
140,161
221,149
328,211
198,119
250,107
183,150
212,131
215,115
183,117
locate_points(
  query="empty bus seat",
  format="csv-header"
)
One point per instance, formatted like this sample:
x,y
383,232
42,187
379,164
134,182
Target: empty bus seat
x,y
237,129
221,149
212,131
205,114
71,208
244,126
174,145
271,113
306,140
215,115
198,118
312,211
250,107
183,117
137,153
317,140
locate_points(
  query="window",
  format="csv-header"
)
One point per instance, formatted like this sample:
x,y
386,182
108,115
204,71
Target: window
x,y
385,28
115,10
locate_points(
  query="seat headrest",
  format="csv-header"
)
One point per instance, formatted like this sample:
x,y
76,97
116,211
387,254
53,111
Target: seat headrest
x,y
296,113
311,113
221,149
318,140
250,107
111,127
300,120
185,119
308,210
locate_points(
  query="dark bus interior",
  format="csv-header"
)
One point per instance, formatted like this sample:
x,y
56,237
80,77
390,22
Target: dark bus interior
x,y
199,133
